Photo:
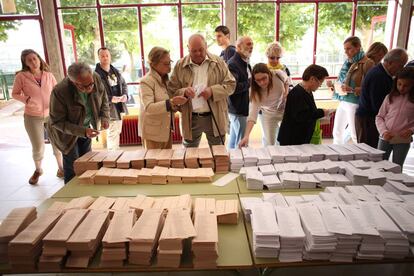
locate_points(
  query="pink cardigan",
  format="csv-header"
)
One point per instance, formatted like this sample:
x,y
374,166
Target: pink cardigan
x,y
36,98
395,116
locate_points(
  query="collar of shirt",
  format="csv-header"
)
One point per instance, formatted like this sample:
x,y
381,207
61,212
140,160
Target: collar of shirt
x,y
386,71
195,64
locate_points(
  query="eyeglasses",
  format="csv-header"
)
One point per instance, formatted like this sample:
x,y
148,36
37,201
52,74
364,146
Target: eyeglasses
x,y
87,86
274,58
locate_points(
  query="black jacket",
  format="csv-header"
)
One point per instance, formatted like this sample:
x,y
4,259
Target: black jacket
x,y
117,108
239,100
299,118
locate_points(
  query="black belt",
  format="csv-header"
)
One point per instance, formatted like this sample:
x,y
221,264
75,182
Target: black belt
x,y
201,114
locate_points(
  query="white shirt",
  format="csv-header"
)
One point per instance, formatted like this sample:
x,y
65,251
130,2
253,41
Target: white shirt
x,y
201,79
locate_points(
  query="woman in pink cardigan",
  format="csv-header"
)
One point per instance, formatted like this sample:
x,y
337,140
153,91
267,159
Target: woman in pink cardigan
x,y
33,86
395,119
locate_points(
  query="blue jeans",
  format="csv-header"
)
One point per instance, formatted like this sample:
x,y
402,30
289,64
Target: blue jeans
x,y
82,146
399,151
237,128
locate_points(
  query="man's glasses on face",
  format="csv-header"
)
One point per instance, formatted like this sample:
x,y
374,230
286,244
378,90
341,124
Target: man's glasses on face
x,y
87,86
274,58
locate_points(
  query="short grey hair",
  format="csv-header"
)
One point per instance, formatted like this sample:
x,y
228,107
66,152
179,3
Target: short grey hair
x,y
396,54
274,48
193,36
78,69
241,40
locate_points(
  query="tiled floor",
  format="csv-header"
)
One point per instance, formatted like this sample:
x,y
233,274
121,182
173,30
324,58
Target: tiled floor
x,y
16,167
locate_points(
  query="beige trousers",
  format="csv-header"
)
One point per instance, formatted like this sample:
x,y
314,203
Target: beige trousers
x,y
35,129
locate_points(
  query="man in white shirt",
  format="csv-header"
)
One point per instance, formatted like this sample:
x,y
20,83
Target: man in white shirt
x,y
205,79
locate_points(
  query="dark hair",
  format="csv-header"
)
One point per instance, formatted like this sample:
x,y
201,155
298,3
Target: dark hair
x,y
222,29
354,40
24,54
405,73
316,71
102,49
255,88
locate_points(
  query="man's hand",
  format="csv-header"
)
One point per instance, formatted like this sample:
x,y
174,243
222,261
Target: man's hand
x,y
244,142
104,124
91,133
206,93
189,92
387,136
115,99
406,133
179,100
123,99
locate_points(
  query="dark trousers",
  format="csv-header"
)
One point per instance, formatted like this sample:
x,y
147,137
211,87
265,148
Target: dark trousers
x,y
366,130
82,146
399,151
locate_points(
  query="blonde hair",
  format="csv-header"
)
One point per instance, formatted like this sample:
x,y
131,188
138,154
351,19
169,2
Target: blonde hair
x,y
274,48
376,48
156,54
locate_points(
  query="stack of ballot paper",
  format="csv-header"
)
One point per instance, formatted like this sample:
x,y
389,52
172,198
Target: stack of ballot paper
x,y
307,181
401,217
54,243
303,155
359,154
292,236
291,154
324,179
341,180
121,204
374,189
294,200
124,161
289,180
265,231
236,160
331,197
267,170
388,197
174,176
243,171
387,166
311,198
205,157
263,156
315,152
145,176
371,244
398,188
138,159
336,223
275,153
272,182
348,198
96,161
144,237
314,167
329,153
247,204
221,158
254,180
88,177
249,156
204,175
396,243
159,175
227,211
102,175
177,159
360,164
344,153
151,158
115,242
178,227
86,238
357,176
82,163
111,158
17,220
25,248
205,243
117,176
204,204
319,243
276,199
375,177
141,203
131,176
102,203
80,203
191,158
373,153
164,158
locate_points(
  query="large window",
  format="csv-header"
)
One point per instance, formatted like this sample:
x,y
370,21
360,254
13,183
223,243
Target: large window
x,y
410,44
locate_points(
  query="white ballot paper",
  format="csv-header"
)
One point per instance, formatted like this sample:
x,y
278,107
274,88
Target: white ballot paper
x,y
198,102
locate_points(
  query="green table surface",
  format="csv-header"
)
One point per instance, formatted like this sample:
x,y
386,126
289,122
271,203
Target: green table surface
x,y
74,189
241,183
232,238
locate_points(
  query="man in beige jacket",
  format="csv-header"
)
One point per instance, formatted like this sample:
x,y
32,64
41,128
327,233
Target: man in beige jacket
x,y
204,79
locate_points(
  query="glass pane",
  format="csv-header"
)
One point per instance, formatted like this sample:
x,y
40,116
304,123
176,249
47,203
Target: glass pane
x,y
334,26
296,36
160,28
86,35
201,1
202,19
136,2
257,21
76,3
410,46
12,42
122,38
18,7
370,26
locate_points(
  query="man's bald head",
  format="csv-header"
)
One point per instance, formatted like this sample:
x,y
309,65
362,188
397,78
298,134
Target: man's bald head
x,y
197,47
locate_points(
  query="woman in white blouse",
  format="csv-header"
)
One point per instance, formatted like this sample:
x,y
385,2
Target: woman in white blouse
x,y
268,93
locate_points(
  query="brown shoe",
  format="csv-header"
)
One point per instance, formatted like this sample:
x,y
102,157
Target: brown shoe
x,y
60,173
35,177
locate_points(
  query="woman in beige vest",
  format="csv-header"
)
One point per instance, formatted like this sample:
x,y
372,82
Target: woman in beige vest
x,y
157,108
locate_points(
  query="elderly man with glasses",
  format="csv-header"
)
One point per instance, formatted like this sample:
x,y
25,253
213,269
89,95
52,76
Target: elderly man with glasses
x,y
78,110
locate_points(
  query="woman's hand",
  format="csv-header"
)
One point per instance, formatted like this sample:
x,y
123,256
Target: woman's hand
x,y
179,100
387,136
406,133
244,142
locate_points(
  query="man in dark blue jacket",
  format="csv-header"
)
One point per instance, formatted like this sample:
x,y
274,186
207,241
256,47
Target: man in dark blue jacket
x,y
239,101
375,87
